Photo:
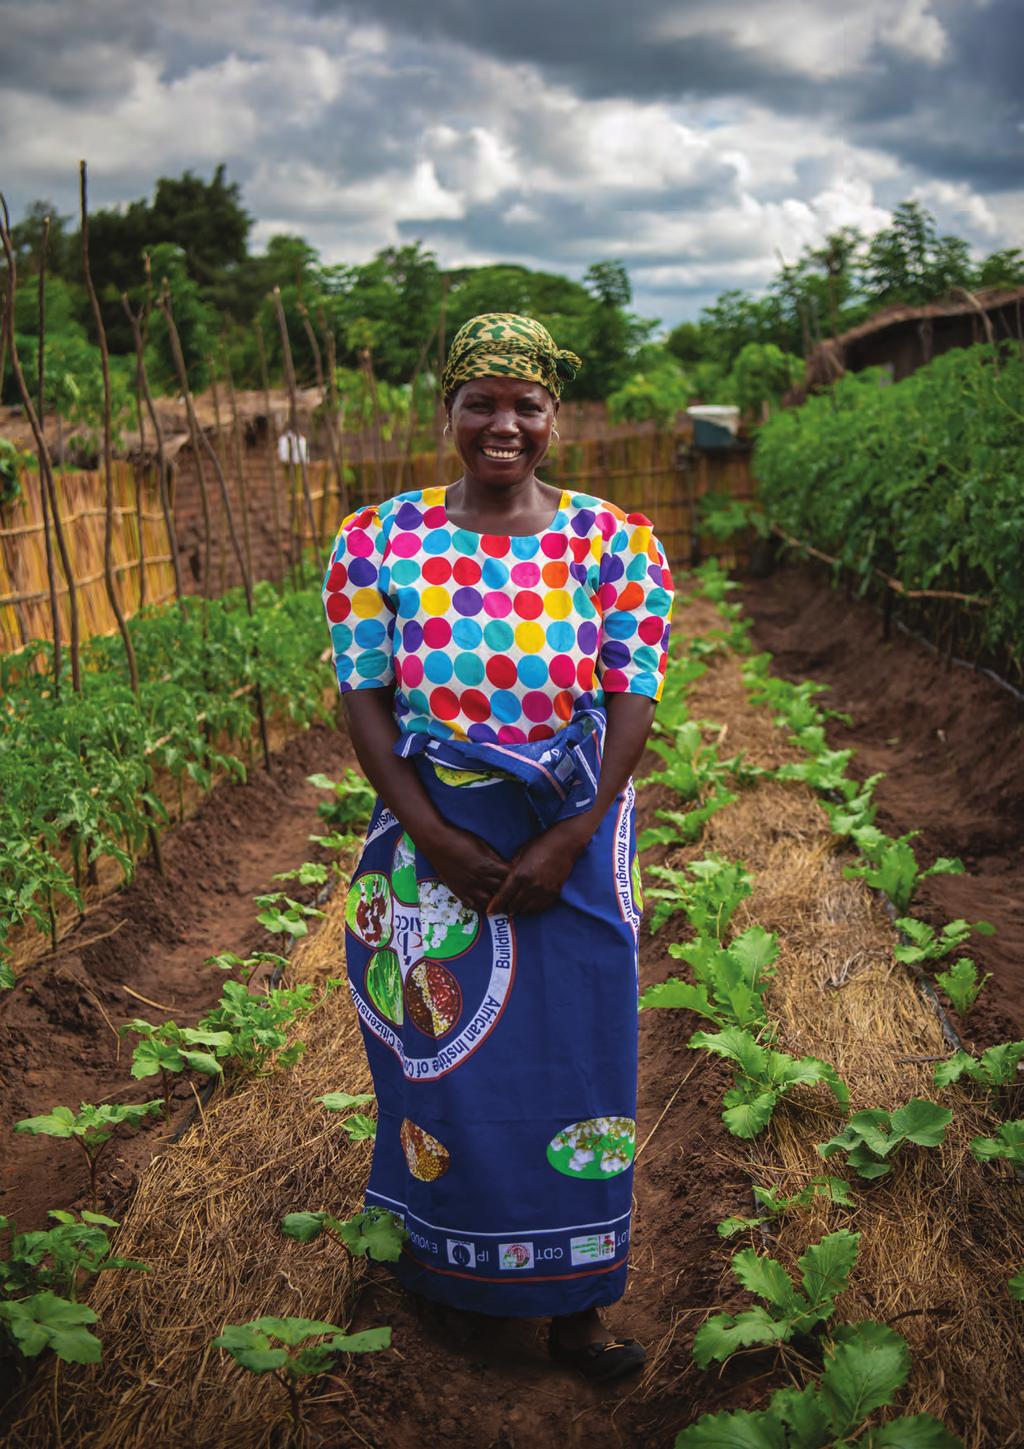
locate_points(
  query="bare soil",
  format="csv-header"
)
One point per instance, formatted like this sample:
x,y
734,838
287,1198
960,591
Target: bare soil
x,y
951,744
59,1041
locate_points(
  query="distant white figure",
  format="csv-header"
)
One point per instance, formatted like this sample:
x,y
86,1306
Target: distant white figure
x,y
292,448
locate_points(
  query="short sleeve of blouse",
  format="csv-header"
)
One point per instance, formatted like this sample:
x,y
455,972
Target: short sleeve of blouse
x,y
635,593
359,613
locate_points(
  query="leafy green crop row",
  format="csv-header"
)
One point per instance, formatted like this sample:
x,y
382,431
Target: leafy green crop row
x,y
922,480
78,772
864,1363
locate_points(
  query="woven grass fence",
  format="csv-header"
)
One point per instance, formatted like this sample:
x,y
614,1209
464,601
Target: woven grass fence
x,y
24,591
657,473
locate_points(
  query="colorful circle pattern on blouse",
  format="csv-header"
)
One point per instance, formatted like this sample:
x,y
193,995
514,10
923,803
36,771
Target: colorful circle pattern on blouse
x,y
496,637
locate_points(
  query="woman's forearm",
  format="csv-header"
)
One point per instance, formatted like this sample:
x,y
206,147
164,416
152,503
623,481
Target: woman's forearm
x,y
373,732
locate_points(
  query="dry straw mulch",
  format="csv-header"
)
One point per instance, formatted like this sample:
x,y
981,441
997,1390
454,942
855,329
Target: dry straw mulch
x,y
206,1219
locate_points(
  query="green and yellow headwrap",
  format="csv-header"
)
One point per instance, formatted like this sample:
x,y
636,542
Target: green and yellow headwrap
x,y
503,344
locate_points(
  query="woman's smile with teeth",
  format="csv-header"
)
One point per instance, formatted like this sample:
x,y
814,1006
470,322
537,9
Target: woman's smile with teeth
x,y
492,452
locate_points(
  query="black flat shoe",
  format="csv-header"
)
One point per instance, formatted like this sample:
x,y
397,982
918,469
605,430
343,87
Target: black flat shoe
x,y
600,1362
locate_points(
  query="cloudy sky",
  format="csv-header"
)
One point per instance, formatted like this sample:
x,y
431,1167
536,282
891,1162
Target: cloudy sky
x,y
695,139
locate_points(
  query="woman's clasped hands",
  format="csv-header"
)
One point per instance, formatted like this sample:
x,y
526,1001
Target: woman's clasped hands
x,y
530,882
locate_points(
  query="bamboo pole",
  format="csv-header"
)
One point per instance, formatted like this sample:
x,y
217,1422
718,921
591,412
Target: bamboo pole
x,y
332,442
289,372
243,486
51,578
163,302
142,379
221,462
441,414
37,433
140,473
332,396
229,513
275,508
403,460
366,361
108,481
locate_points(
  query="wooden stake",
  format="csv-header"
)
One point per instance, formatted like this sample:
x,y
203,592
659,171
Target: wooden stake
x,y
293,410
37,433
47,541
332,442
271,449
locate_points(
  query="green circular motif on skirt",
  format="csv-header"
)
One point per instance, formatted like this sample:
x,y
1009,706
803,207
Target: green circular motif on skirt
x,y
368,909
403,872
384,985
598,1148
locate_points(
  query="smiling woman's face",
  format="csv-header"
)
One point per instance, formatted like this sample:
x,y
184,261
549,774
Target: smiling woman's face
x,y
501,427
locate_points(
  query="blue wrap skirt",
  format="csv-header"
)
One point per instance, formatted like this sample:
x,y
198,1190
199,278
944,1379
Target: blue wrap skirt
x,y
503,1049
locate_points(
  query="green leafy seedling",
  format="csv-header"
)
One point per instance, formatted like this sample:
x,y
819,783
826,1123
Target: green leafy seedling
x,y
1007,1144
788,1312
835,1189
871,1136
1015,1286
683,827
996,1067
289,918
763,1077
374,1233
962,984
45,1320
353,800
57,1258
731,981
894,870
709,899
258,1024
246,965
91,1128
865,1365
310,872
294,1349
926,944
169,1049
359,1127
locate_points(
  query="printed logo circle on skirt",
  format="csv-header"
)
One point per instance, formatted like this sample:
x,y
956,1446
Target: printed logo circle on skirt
x,y
429,977
598,1147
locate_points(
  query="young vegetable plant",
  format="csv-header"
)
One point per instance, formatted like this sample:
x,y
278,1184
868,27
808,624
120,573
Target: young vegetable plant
x,y
835,1189
57,1258
283,1347
683,827
91,1128
961,983
352,803
246,965
1008,1144
871,1136
892,866
169,1049
926,944
45,1320
788,1312
288,919
310,872
856,810
763,1077
359,1127
731,980
1015,1286
709,899
865,1364
996,1067
374,1233
257,1023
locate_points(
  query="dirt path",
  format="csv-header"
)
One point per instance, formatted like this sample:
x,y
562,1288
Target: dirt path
x,y
58,1041
951,744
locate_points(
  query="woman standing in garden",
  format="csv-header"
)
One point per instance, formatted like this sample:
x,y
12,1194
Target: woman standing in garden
x,y
500,645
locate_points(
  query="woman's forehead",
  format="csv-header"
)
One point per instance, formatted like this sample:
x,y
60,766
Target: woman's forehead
x,y
503,389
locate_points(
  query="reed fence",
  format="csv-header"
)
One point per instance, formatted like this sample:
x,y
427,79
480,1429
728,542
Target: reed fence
x,y
640,469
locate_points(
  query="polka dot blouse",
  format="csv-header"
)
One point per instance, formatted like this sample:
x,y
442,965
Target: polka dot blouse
x,y
492,637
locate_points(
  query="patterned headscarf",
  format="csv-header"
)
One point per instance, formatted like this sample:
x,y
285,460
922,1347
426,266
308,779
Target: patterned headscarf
x,y
503,344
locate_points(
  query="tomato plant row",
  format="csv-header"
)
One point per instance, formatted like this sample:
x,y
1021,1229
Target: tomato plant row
x,y
79,773
921,480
